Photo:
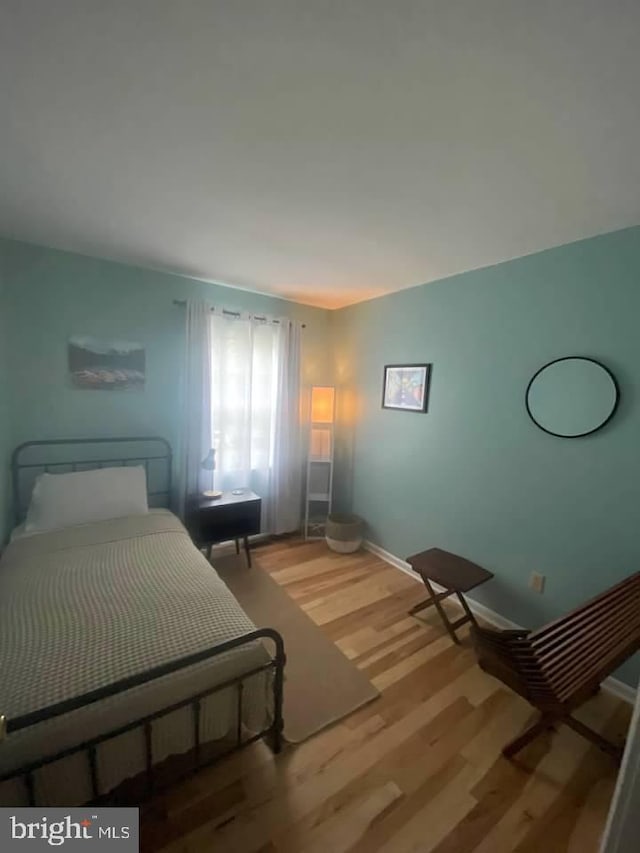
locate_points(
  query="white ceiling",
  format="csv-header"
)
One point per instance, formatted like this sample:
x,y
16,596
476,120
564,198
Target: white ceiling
x,y
324,150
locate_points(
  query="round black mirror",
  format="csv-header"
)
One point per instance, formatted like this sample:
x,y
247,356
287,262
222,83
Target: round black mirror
x,y
571,397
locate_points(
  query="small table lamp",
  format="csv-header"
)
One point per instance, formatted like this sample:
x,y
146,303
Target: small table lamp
x,y
209,464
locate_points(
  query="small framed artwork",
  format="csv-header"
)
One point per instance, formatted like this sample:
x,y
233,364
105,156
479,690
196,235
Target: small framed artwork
x,y
406,387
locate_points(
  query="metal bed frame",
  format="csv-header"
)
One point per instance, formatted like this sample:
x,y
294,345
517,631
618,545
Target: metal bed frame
x,y
158,451
159,496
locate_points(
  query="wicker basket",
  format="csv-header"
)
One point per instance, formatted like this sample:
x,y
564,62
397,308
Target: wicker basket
x,y
343,532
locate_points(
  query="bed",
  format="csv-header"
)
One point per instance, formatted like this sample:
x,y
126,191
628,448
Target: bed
x,y
120,647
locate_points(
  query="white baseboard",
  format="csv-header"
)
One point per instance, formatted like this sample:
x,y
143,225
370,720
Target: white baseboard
x,y
611,685
620,689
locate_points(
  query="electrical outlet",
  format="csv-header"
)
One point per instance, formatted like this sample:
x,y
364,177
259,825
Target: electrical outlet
x,y
536,582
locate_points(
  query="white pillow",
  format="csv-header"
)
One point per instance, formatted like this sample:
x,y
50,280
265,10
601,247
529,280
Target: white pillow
x,y
62,500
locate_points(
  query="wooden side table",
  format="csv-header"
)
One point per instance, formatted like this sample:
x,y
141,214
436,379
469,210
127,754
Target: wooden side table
x,y
213,520
455,574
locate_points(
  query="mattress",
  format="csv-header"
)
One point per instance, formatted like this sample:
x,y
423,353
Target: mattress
x,y
84,607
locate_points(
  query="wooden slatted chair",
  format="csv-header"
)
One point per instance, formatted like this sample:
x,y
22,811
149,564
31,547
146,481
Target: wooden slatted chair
x,y
559,666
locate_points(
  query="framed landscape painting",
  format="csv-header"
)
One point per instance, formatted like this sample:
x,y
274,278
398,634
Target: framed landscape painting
x,y
406,387
106,365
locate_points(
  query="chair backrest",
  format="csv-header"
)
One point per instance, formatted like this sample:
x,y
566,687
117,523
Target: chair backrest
x,y
587,644
561,662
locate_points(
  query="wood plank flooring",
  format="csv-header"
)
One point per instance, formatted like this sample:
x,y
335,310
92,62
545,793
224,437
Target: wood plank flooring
x,y
419,769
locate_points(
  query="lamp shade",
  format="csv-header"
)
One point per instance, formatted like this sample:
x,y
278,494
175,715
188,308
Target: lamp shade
x,y
322,404
209,462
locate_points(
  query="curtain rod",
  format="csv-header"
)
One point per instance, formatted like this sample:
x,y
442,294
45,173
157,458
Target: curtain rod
x,y
183,303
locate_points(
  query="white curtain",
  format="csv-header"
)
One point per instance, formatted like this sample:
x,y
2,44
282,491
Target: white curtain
x,y
284,505
196,438
255,421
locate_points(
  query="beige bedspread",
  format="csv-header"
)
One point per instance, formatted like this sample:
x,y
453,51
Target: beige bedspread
x,y
84,607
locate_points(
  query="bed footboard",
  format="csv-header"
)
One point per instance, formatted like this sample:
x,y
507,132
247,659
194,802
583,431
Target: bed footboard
x,y
273,732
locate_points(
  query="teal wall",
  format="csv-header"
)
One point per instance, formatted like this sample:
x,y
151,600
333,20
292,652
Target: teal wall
x,y
474,475
5,435
50,295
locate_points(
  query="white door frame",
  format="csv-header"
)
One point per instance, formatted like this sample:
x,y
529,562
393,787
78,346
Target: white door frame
x,y
623,823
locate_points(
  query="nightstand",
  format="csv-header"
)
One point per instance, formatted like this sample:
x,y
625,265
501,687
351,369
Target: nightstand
x,y
213,520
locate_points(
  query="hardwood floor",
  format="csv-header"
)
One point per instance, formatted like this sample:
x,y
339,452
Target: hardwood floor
x,y
420,768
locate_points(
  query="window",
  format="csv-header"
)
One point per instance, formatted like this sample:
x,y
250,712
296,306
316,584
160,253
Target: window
x,y
242,397
244,379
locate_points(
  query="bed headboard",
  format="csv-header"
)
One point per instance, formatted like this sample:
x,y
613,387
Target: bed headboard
x,y
60,455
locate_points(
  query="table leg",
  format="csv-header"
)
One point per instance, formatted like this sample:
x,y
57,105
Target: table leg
x,y
420,606
247,552
443,615
470,617
237,546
